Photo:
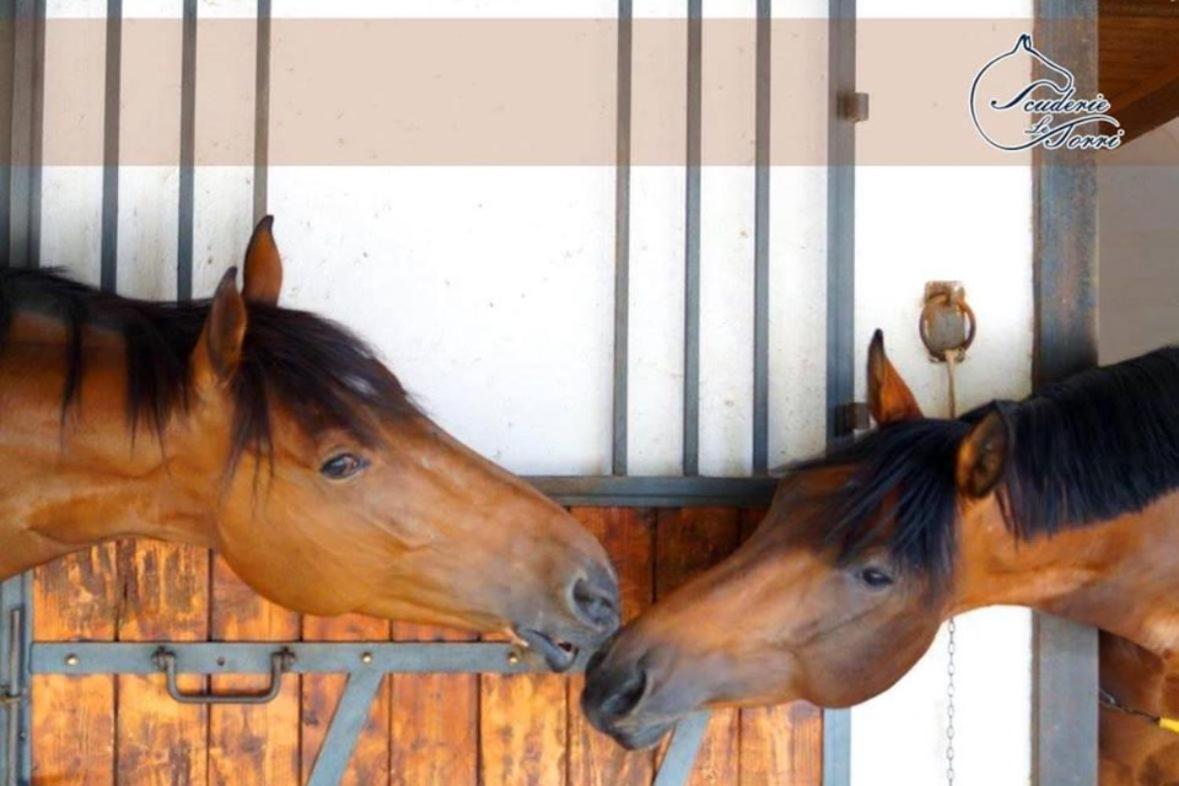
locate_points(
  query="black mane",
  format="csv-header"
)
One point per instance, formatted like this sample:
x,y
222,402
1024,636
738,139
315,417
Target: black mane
x,y
323,374
1102,443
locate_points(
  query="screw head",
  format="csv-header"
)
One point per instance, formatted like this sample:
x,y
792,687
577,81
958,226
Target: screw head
x,y
366,657
71,659
513,657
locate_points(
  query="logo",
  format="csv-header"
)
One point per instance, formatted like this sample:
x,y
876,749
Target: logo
x,y
1014,114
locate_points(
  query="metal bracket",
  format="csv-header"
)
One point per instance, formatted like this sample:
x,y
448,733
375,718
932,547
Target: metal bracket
x,y
947,322
854,107
15,631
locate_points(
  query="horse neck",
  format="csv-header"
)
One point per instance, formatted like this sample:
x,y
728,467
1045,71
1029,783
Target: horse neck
x,y
69,481
1120,575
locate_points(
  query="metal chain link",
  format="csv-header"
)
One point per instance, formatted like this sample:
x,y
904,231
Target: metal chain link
x,y
951,627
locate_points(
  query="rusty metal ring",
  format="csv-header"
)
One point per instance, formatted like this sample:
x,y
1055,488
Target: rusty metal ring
x,y
923,323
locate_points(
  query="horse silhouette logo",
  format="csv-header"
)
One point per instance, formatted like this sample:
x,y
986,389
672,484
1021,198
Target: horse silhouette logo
x,y
1047,110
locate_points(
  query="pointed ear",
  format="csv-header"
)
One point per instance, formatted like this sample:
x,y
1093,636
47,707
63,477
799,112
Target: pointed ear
x,y
982,455
220,346
889,398
263,269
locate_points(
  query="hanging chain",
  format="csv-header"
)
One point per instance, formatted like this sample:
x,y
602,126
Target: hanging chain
x,y
951,628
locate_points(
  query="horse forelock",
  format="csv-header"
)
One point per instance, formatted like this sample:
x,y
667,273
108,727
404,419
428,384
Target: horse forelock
x,y
318,371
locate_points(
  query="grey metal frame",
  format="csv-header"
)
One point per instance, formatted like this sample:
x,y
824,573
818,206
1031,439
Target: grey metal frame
x,y
1064,653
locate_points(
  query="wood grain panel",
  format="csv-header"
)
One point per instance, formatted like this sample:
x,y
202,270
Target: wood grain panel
x,y
629,537
252,745
165,597
688,541
369,764
73,718
434,722
523,728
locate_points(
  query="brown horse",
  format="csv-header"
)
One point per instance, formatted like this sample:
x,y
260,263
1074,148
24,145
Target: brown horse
x,y
1064,502
1139,690
277,438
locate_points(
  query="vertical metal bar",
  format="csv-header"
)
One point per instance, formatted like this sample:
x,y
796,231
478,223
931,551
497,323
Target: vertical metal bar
x,y
1065,654
344,730
841,205
16,621
110,146
676,768
761,242
187,151
25,20
622,237
262,111
841,268
691,460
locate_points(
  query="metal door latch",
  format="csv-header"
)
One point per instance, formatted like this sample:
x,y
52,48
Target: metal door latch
x,y
947,323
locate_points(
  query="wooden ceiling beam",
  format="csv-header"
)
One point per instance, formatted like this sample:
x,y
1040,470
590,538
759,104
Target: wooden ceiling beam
x,y
1148,105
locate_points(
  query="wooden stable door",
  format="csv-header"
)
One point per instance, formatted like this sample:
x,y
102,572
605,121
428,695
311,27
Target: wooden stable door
x,y
423,729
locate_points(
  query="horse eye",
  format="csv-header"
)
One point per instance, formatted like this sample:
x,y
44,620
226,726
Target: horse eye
x,y
875,578
341,466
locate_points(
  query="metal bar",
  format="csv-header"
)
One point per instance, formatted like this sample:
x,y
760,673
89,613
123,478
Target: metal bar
x,y
24,174
110,146
691,460
841,269
15,632
622,237
1064,654
656,492
676,768
308,658
262,112
187,151
348,720
836,747
761,242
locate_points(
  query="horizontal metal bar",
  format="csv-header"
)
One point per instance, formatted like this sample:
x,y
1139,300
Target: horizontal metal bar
x,y
656,492
308,658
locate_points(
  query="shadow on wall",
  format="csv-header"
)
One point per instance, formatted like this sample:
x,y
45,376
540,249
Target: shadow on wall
x,y
1138,193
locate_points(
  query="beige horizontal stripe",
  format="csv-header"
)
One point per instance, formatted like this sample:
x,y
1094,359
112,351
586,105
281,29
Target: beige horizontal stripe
x,y
514,91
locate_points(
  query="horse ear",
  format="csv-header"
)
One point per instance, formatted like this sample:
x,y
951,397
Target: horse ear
x,y
982,455
220,346
889,398
263,268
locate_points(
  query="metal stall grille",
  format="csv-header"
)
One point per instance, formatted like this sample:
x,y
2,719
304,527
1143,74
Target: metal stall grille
x,y
21,76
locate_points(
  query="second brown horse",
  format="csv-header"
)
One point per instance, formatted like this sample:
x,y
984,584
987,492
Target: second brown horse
x,y
1065,502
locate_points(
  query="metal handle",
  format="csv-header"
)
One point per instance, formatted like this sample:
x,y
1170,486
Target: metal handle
x,y
947,323
280,663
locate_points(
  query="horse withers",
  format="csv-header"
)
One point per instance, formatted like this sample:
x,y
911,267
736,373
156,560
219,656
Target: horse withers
x,y
279,439
1065,502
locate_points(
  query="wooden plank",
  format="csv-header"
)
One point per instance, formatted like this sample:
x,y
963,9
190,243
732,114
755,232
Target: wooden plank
x,y
629,537
688,541
251,745
434,721
1064,654
523,730
369,765
73,718
165,596
780,745
1149,104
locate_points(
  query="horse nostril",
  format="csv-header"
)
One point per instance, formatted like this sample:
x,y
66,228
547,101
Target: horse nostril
x,y
597,603
625,696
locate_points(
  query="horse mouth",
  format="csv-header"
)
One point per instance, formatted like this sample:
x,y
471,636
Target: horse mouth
x,y
560,655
